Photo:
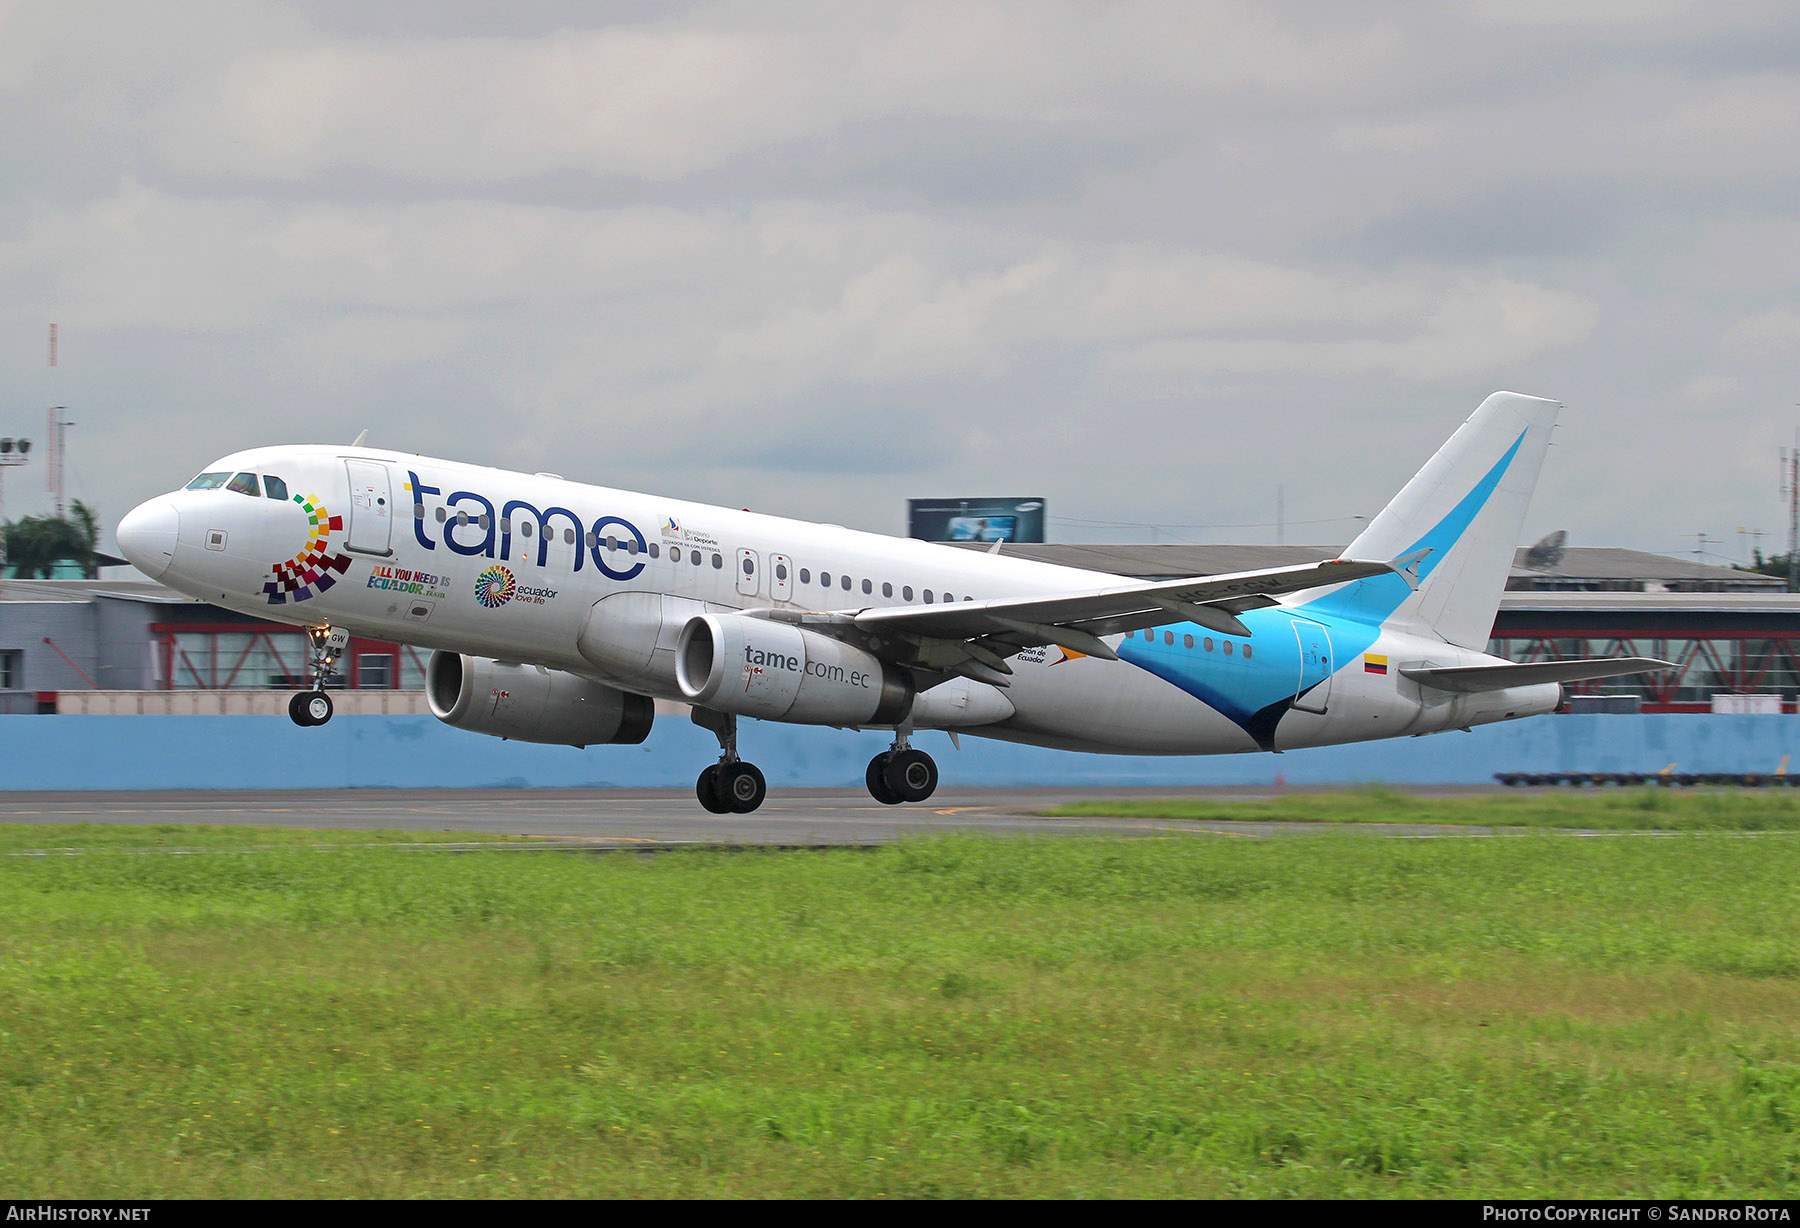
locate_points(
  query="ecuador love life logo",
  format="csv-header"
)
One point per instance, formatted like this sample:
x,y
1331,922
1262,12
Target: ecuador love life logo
x,y
495,586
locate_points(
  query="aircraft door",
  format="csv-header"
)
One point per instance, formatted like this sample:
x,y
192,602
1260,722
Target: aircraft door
x,y
371,516
781,577
1314,689
747,581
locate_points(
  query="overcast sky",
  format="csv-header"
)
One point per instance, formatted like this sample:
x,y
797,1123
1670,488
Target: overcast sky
x,y
1150,261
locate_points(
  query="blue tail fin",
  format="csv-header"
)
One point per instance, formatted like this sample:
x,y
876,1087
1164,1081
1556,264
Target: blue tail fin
x,y
1454,527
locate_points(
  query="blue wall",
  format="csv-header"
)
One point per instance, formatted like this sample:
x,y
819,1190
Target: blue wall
x,y
251,752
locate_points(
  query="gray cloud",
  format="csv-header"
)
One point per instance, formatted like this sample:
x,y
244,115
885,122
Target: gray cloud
x,y
1149,260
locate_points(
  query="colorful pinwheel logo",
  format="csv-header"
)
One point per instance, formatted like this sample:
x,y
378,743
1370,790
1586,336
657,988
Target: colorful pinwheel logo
x,y
308,573
494,587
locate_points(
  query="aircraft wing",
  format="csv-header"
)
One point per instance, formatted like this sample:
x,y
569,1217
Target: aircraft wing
x,y
975,637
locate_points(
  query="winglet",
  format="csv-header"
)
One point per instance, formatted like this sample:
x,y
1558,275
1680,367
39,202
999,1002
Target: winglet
x,y
358,441
1407,566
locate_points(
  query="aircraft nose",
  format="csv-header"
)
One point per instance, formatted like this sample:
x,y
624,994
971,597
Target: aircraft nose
x,y
147,536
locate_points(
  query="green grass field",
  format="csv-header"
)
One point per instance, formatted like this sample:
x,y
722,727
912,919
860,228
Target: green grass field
x,y
1642,808
1182,1016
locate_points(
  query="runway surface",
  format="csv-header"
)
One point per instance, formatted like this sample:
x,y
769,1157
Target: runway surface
x,y
652,818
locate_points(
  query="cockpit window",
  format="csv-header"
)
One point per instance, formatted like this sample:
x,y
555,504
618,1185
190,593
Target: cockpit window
x,y
245,484
276,487
209,481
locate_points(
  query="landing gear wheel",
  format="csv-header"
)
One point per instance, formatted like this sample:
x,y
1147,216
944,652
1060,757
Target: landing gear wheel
x,y
876,779
317,707
741,787
297,709
707,790
912,774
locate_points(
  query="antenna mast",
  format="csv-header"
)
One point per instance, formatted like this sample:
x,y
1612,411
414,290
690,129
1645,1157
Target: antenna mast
x,y
1790,486
55,440
1791,490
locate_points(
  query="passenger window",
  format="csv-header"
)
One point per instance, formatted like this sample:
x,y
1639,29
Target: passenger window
x,y
780,570
1187,641
718,562
868,586
440,515
846,582
245,484
825,578
631,546
612,543
1228,648
1246,652
1169,638
568,537
1207,643
505,525
694,557
887,590
655,551
525,527
749,567
806,575
277,489
209,481
906,593
949,597
927,596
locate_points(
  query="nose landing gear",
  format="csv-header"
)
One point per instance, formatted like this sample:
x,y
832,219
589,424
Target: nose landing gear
x,y
729,786
309,708
313,707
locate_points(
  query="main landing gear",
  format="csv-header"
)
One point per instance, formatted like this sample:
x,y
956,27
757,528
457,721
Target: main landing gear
x,y
729,786
901,774
313,707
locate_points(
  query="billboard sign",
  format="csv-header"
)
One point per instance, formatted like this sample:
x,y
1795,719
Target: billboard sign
x,y
980,519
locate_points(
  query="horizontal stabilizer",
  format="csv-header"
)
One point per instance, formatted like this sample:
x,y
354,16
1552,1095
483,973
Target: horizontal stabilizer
x,y
1469,678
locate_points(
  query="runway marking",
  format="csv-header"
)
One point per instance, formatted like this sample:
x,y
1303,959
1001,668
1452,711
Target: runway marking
x,y
1213,831
611,839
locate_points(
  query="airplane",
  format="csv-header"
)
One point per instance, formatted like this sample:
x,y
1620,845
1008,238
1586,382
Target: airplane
x,y
558,612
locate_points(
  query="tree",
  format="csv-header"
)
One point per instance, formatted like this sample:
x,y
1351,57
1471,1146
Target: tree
x,y
1769,565
36,544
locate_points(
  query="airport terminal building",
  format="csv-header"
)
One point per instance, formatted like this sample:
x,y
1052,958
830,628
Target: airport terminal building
x,y
103,645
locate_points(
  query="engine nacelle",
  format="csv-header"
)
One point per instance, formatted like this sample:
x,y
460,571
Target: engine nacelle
x,y
779,672
529,703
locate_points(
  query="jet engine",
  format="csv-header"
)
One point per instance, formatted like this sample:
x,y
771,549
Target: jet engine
x,y
777,671
528,703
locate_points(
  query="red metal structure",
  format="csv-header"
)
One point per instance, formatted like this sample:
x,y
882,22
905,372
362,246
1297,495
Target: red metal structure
x,y
253,656
1718,648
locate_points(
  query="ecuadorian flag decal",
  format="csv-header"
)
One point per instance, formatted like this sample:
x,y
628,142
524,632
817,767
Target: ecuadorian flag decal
x,y
1374,664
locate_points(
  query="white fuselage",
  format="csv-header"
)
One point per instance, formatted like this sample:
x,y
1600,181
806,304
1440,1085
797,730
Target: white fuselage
x,y
517,567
